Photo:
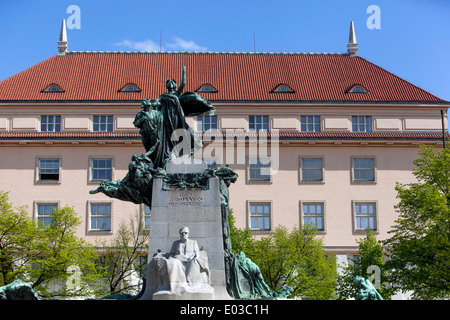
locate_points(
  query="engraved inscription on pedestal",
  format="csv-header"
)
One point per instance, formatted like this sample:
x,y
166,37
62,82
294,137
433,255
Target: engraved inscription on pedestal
x,y
186,198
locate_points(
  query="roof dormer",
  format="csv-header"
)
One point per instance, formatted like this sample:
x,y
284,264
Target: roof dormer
x,y
206,88
357,88
52,88
282,88
130,87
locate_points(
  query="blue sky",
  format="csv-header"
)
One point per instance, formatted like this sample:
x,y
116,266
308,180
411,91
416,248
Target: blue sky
x,y
412,41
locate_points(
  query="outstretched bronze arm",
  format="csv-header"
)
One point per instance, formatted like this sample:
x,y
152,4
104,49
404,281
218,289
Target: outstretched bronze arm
x,y
183,82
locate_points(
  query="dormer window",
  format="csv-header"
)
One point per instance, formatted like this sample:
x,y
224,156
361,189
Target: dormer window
x,y
357,89
206,88
53,88
130,88
282,88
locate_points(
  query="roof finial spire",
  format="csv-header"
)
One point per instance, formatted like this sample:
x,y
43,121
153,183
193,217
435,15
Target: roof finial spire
x,y
352,44
62,43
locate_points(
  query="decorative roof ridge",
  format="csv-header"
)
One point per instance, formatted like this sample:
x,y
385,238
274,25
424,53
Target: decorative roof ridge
x,y
213,53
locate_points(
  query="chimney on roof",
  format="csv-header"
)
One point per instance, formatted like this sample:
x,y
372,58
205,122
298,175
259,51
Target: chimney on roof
x,y
62,43
352,44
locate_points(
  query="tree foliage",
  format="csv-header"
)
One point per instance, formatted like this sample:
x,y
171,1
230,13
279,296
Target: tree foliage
x,y
121,256
370,265
17,232
294,257
42,254
419,245
240,238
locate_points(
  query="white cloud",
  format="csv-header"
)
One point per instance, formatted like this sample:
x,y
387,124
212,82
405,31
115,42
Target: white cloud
x,y
147,45
177,44
185,45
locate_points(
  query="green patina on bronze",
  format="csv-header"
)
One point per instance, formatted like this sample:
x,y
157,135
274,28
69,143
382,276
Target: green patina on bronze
x,y
366,291
158,122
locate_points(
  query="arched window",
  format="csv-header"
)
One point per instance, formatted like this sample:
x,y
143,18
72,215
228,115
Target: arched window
x,y
357,88
282,88
130,87
206,88
53,88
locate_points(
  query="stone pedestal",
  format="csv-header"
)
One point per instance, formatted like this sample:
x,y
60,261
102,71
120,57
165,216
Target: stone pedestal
x,y
197,209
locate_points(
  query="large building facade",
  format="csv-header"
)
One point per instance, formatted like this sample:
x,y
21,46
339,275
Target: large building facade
x,y
315,138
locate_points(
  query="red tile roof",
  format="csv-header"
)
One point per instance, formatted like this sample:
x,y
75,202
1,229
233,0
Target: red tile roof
x,y
98,76
324,136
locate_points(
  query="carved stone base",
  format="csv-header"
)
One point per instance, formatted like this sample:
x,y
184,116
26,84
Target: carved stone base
x,y
198,209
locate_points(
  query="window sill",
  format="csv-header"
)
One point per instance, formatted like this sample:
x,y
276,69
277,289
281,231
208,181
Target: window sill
x,y
364,232
97,182
99,232
259,181
46,182
261,232
311,182
363,182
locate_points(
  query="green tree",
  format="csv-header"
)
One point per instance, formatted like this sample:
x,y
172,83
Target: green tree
x,y
419,245
370,265
58,248
121,255
240,238
294,257
17,232
43,254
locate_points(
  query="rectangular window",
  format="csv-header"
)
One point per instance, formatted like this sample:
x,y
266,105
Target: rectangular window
x,y
48,170
147,217
310,123
103,124
257,123
363,169
101,216
365,216
259,170
44,213
50,123
101,169
311,169
205,123
260,216
361,123
313,215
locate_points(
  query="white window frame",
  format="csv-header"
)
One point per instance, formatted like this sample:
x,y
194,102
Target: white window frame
x,y
146,214
39,203
100,123
374,169
250,203
90,216
322,215
201,124
314,123
302,180
366,123
261,124
37,175
251,160
91,179
54,122
355,218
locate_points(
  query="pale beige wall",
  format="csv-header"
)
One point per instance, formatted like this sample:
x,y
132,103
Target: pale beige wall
x,y
400,118
17,175
394,163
